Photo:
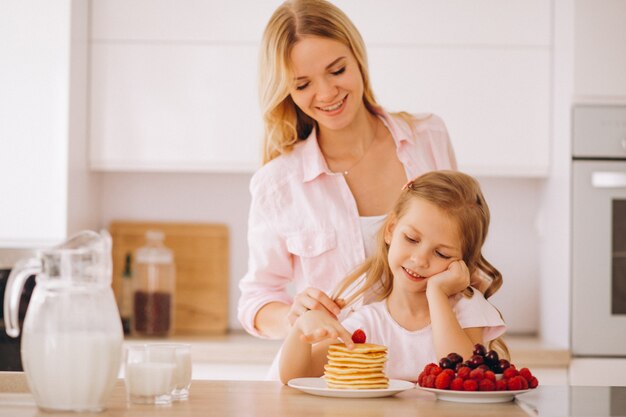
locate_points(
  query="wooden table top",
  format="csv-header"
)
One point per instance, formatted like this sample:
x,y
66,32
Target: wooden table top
x,y
266,398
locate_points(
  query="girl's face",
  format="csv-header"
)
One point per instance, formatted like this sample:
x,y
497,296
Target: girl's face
x,y
422,243
328,86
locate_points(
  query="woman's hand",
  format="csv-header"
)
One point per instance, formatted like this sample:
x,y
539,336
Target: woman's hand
x,y
316,326
451,281
312,299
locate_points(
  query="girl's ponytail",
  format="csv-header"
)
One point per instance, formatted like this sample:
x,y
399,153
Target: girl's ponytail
x,y
496,282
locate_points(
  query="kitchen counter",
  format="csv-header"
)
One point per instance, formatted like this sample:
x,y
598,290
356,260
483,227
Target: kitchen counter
x,y
239,347
264,398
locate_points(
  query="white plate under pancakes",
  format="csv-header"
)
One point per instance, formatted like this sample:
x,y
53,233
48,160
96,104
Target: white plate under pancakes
x,y
317,386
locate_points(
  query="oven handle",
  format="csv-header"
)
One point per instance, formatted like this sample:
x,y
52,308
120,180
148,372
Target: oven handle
x,y
608,179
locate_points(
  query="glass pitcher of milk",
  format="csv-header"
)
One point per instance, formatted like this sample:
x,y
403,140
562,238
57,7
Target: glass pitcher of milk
x,y
72,335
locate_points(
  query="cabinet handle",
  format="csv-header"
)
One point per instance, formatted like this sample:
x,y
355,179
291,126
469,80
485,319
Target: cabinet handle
x,y
608,179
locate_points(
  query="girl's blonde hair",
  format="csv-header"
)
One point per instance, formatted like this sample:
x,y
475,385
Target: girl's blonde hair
x,y
293,20
459,196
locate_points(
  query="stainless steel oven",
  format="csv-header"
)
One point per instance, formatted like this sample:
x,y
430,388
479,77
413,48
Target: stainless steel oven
x,y
599,231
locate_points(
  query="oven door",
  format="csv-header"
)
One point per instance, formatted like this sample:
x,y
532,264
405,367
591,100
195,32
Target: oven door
x,y
598,258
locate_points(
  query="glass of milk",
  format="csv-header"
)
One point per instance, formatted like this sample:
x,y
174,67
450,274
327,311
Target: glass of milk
x,y
150,373
182,374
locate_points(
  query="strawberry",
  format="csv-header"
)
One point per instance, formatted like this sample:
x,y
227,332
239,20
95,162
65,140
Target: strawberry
x,y
358,336
470,385
486,385
429,381
525,372
443,380
456,384
501,385
533,382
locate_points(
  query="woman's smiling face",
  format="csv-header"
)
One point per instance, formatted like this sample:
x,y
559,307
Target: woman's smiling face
x,y
422,242
327,85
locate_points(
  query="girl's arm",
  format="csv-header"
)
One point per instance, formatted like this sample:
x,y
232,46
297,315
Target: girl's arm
x,y
306,346
448,335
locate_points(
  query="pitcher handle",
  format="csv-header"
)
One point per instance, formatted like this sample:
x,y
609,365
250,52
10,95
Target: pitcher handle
x,y
19,274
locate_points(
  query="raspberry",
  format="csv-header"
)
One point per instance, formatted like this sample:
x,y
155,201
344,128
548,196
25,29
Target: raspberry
x,y
533,382
486,385
464,372
477,374
443,380
420,378
435,370
524,383
501,385
510,372
428,367
490,376
470,385
457,384
358,336
517,383
525,372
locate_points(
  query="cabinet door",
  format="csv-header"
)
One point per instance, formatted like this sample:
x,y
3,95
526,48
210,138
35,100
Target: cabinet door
x,y
173,85
174,107
600,51
33,121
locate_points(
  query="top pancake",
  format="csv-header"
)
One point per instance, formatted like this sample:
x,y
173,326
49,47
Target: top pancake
x,y
363,348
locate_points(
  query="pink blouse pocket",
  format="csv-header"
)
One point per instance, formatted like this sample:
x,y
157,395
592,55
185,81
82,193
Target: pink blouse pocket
x,y
313,256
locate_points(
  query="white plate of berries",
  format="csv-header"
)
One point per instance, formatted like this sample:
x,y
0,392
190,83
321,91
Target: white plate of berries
x,y
484,378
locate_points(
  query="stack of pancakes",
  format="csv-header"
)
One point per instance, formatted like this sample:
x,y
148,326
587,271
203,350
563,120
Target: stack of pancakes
x,y
359,368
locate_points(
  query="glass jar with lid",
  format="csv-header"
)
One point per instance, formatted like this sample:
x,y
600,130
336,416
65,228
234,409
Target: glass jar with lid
x,y
154,285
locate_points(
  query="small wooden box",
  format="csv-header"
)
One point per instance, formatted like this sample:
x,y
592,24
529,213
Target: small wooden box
x,y
201,258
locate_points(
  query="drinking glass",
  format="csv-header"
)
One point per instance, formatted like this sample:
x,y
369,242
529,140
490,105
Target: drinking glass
x,y
182,374
150,373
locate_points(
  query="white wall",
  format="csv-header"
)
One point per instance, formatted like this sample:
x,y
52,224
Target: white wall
x,y
512,244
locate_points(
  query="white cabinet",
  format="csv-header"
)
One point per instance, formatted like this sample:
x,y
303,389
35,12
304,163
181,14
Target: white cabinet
x,y
43,167
600,51
173,84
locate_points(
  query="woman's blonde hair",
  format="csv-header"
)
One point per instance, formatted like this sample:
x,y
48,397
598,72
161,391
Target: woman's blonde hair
x,y
293,20
459,196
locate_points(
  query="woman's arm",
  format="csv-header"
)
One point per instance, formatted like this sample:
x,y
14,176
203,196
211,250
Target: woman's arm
x,y
448,335
306,346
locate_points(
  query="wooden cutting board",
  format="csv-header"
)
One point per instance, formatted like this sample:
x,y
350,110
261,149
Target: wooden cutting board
x,y
201,258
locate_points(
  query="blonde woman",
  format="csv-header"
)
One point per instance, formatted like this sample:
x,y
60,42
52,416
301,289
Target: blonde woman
x,y
334,161
418,281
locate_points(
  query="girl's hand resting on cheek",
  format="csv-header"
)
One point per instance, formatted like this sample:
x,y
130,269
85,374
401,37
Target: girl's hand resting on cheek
x,y
451,281
316,326
312,299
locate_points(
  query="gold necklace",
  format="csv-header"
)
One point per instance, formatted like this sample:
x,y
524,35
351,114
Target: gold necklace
x,y
366,151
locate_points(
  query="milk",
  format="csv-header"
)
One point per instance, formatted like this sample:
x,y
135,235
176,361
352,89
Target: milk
x,y
149,379
71,371
183,374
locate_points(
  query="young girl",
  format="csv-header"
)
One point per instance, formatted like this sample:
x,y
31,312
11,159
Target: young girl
x,y
416,291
